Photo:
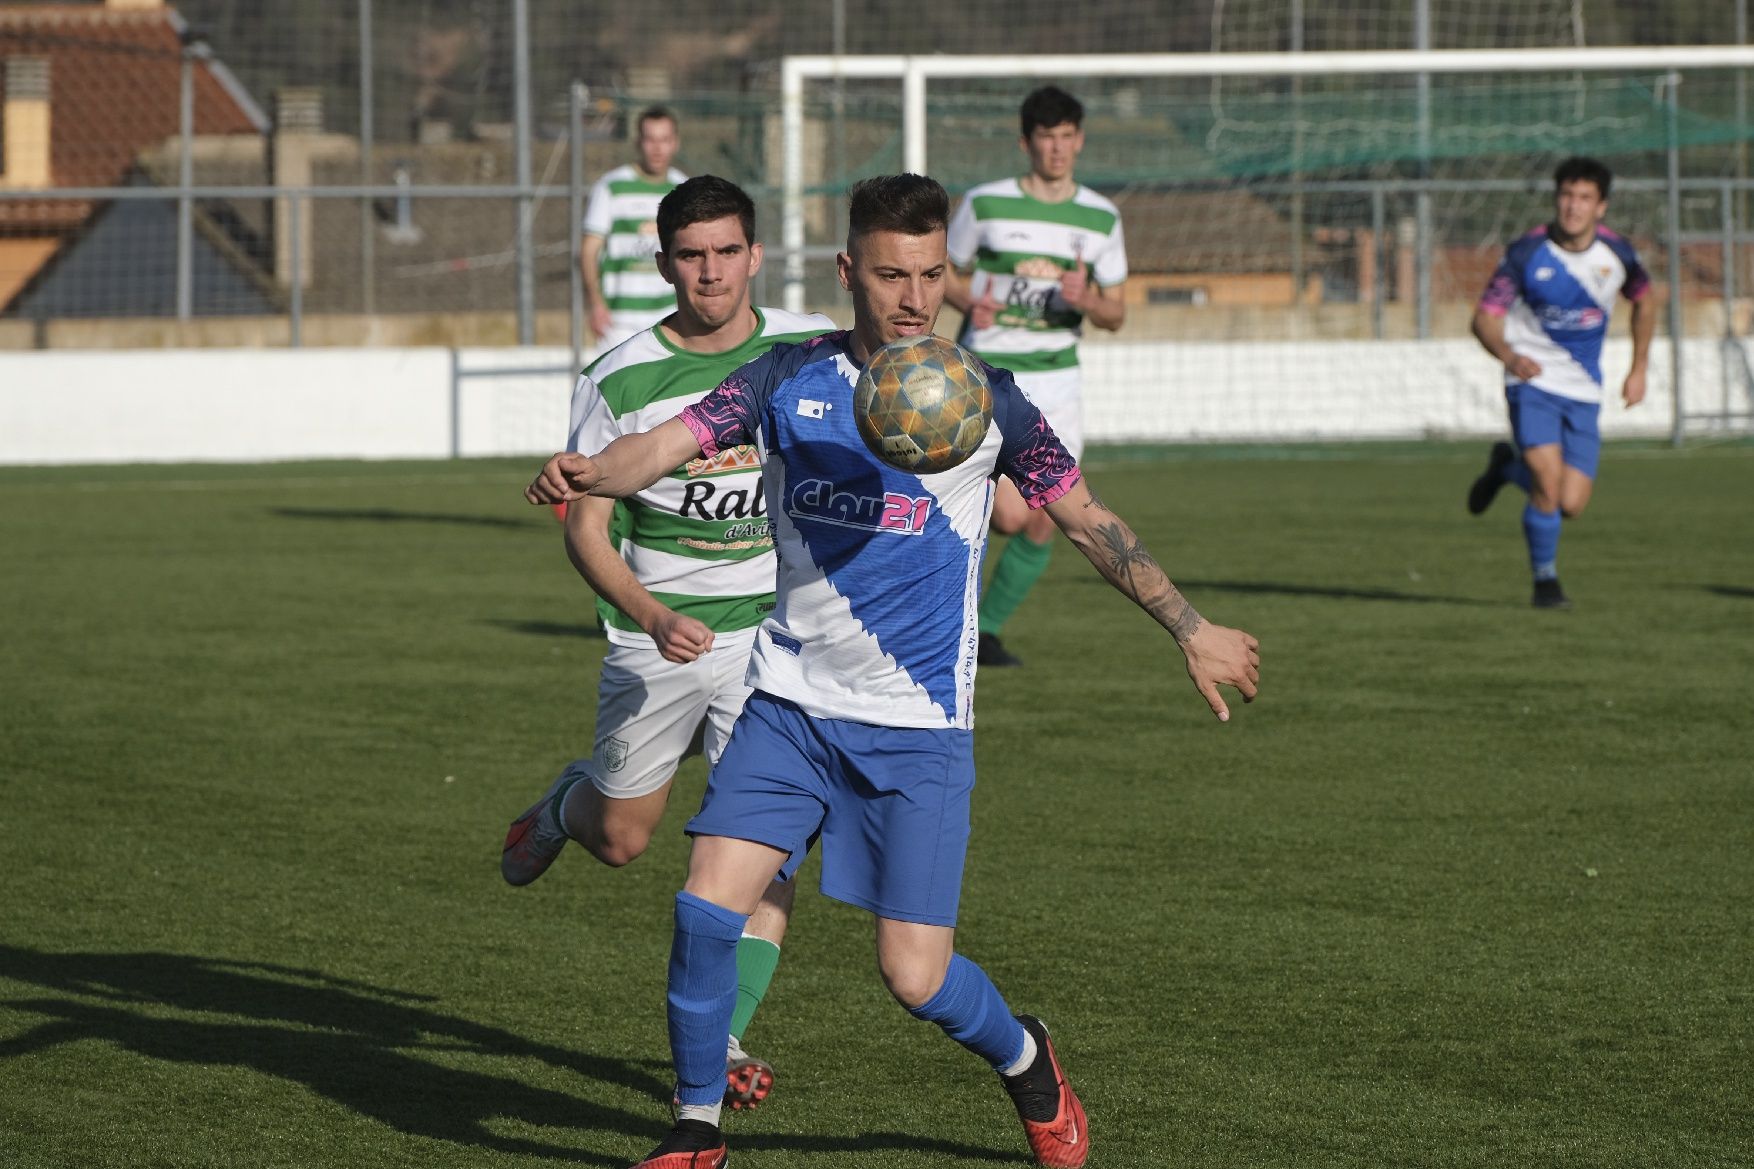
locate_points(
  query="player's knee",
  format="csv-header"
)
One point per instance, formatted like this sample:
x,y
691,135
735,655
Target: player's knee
x,y
1008,523
617,844
911,981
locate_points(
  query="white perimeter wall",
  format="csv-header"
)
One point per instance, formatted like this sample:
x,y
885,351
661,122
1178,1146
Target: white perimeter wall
x,y
253,405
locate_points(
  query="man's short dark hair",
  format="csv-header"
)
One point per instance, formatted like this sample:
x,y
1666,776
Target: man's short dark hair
x,y
1580,169
703,199
1048,107
654,114
906,204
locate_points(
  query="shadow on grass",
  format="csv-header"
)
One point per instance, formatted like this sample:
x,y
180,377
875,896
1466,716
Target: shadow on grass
x,y
549,628
384,515
1281,589
1740,592
367,1048
361,1046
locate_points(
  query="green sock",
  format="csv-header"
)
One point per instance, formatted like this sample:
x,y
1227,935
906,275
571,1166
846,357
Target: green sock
x,y
756,959
1019,567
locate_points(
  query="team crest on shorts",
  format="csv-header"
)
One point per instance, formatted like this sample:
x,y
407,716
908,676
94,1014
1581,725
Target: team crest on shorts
x,y
614,753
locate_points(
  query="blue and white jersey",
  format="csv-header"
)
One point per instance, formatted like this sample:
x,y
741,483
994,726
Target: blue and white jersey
x,y
879,570
1556,303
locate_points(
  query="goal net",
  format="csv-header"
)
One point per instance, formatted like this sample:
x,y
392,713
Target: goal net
x,y
1308,233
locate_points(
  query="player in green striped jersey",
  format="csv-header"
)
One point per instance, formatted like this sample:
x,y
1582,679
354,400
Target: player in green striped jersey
x,y
1036,258
624,291
691,580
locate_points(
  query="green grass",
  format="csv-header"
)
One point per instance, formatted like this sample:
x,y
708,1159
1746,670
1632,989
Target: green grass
x,y
1469,886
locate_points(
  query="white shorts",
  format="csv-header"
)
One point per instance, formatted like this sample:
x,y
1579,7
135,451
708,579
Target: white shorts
x,y
652,714
1058,394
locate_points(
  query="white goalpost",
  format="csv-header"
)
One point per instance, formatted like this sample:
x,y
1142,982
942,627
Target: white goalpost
x,y
1430,378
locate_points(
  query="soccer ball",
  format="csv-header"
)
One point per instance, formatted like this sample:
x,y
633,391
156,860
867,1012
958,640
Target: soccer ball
x,y
923,404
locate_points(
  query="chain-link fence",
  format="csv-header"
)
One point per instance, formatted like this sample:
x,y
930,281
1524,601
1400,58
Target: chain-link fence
x,y
314,172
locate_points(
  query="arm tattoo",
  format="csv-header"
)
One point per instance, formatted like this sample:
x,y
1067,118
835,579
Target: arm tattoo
x,y
1130,567
1124,551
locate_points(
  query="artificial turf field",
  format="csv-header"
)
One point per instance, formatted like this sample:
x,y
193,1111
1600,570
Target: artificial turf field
x,y
1469,885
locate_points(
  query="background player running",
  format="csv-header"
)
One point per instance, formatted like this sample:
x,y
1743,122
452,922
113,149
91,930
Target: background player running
x,y
1544,316
693,576
1044,256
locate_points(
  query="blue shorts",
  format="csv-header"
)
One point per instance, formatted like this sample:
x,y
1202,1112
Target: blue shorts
x,y
889,804
1539,418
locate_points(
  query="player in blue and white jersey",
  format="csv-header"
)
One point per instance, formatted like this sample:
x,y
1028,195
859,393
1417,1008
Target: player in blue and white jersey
x,y
1544,316
858,733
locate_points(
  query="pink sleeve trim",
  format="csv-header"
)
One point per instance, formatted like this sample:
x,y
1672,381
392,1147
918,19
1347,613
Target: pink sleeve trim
x,y
701,430
1492,308
1036,502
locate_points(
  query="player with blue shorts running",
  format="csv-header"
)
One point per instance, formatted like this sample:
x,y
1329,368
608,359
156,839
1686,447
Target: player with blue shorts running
x,y
1544,316
859,731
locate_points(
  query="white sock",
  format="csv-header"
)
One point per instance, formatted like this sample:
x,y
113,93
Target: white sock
x,y
566,801
1024,1060
706,1112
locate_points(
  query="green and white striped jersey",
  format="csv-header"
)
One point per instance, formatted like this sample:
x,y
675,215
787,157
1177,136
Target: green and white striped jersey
x,y
697,539
1019,247
624,210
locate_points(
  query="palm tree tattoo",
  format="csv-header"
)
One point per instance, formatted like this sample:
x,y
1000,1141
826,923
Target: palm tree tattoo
x,y
1131,566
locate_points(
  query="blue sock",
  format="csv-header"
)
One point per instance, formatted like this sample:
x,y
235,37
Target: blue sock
x,y
1541,530
703,992
973,1012
1516,471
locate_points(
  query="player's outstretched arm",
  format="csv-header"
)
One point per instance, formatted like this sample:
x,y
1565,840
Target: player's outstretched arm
x,y
629,464
1216,655
679,638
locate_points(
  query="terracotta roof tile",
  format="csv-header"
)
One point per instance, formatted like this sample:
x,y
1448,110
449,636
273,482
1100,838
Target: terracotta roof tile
x,y
115,88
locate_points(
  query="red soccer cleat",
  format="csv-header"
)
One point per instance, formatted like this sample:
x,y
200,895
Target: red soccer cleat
x,y
747,1082
1053,1117
692,1144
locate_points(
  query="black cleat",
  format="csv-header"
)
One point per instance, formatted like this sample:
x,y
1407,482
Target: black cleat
x,y
692,1144
1485,488
992,652
1548,595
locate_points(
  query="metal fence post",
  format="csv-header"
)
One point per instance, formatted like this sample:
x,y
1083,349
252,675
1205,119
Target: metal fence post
x,y
367,147
194,49
1379,259
575,121
296,245
526,209
1727,291
1673,82
1422,201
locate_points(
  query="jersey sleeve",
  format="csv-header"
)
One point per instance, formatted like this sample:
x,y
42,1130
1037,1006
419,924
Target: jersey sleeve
x,y
963,236
598,219
1637,284
730,414
593,424
1505,287
1109,267
1030,453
